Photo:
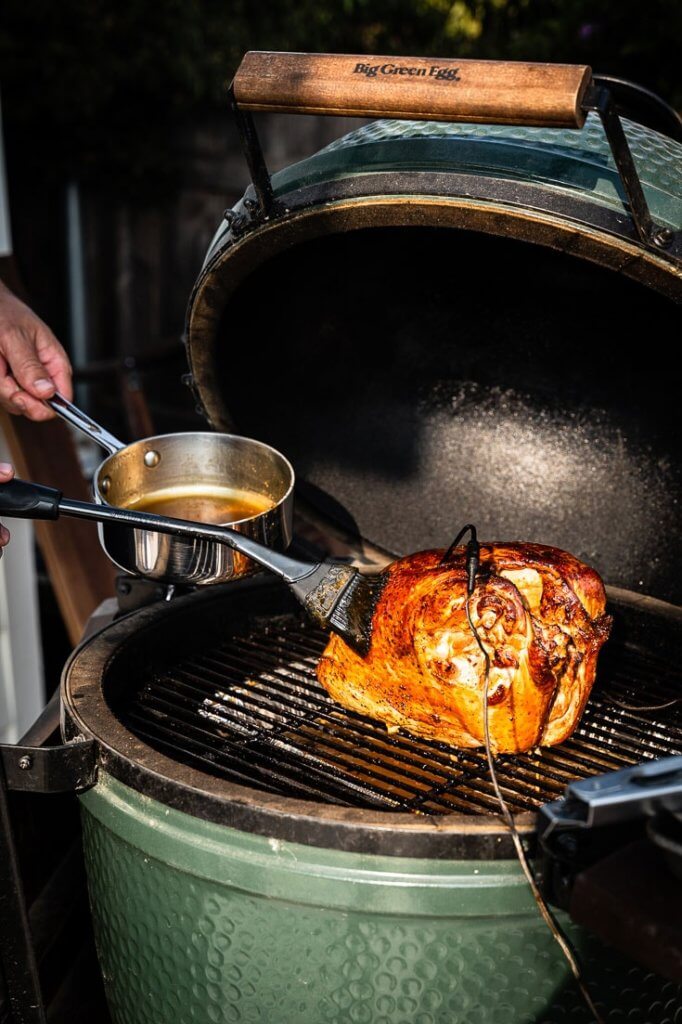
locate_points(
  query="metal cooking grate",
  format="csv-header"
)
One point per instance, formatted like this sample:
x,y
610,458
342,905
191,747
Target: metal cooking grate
x,y
250,710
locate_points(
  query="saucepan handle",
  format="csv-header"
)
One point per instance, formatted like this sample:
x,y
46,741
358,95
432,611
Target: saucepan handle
x,y
21,500
77,418
415,88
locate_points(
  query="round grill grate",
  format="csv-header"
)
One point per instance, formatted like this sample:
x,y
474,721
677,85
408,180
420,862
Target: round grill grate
x,y
247,708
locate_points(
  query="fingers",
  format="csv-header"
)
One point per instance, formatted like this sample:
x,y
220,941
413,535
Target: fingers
x,y
6,474
56,362
20,350
9,389
33,365
17,401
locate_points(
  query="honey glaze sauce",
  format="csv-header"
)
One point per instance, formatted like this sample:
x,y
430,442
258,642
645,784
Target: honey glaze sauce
x,y
216,506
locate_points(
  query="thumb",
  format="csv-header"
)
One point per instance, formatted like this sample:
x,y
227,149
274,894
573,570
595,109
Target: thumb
x,y
27,369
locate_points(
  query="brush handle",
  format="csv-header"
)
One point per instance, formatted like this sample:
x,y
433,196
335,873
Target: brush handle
x,y
22,500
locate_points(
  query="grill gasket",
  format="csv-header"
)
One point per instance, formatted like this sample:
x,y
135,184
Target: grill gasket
x,y
249,709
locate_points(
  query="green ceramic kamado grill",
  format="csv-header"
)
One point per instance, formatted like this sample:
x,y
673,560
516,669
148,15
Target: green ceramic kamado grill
x,y
433,317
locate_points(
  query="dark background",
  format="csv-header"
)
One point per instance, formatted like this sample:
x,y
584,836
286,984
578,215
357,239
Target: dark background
x,y
97,89
127,101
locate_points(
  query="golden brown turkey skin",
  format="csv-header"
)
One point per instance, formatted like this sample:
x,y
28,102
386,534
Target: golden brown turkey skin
x,y
540,615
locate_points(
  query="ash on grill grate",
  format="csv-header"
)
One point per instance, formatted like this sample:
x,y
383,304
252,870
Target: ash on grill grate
x,y
250,710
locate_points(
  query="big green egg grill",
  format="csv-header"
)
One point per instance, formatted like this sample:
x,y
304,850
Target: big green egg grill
x,y
434,320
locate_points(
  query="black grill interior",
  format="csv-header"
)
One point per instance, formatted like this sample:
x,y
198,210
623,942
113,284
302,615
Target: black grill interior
x,y
244,705
444,377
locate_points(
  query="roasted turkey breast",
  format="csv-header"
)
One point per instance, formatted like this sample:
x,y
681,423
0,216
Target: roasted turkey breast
x,y
540,615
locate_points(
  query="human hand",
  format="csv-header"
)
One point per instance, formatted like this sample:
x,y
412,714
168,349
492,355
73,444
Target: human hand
x,y
33,365
6,474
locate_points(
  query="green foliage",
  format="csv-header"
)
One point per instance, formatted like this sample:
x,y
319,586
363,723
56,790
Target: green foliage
x,y
95,88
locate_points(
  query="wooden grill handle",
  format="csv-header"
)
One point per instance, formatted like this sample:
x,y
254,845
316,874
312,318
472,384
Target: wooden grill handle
x,y
417,88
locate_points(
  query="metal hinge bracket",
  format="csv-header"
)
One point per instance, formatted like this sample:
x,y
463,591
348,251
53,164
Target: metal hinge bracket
x,y
599,100
266,205
67,768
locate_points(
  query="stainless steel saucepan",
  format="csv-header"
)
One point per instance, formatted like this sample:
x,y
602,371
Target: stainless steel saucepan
x,y
183,472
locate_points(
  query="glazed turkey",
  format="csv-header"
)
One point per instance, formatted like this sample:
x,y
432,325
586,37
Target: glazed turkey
x,y
540,615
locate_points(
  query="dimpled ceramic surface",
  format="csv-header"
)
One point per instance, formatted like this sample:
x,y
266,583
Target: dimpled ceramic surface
x,y
196,922
577,161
